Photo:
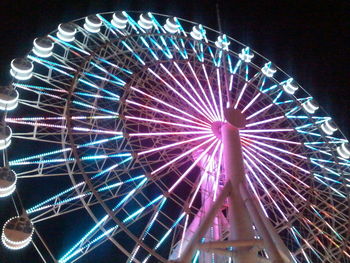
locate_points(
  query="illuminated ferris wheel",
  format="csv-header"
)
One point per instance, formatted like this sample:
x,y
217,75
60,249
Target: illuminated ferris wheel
x,y
172,142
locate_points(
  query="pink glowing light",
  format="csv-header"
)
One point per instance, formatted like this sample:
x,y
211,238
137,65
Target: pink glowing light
x,y
266,130
209,111
182,155
176,92
167,104
166,122
211,92
269,139
268,179
203,92
264,121
260,111
251,102
174,144
186,91
167,113
275,174
189,169
275,148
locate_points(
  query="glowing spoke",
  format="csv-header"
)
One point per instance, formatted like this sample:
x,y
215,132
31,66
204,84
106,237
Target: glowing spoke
x,y
275,148
211,92
67,200
203,91
259,111
61,160
36,124
220,94
269,180
266,130
169,133
275,174
277,166
243,89
175,91
99,224
265,189
209,111
279,158
167,113
182,155
269,139
205,172
186,91
251,102
167,104
174,144
264,121
189,169
166,122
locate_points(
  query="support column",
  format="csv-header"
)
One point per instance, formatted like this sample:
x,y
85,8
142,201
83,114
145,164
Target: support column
x,y
240,221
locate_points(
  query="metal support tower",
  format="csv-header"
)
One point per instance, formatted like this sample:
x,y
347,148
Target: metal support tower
x,y
244,213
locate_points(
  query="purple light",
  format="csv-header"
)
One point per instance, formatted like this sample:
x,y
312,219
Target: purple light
x,y
192,166
202,89
209,111
174,144
168,105
185,90
166,122
269,139
260,111
182,155
251,102
264,121
167,113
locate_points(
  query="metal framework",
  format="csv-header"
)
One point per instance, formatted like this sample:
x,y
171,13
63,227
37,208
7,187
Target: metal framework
x,y
179,143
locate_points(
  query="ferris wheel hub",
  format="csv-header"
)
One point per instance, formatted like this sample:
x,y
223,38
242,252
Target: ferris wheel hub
x,y
235,117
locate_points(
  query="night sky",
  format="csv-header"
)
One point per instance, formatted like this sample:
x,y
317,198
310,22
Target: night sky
x,y
307,39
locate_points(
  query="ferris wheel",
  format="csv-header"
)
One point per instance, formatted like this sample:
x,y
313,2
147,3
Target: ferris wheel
x,y
172,142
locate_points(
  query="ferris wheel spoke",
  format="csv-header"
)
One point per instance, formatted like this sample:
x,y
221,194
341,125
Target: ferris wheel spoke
x,y
210,111
203,177
217,111
269,139
295,234
189,169
276,165
243,88
174,144
104,186
182,155
249,141
250,168
260,111
254,164
274,173
204,111
251,102
148,228
69,200
280,159
168,105
164,237
100,223
176,92
167,113
265,121
165,122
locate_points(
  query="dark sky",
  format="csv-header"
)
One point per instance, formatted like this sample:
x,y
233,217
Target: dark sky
x,y
307,39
